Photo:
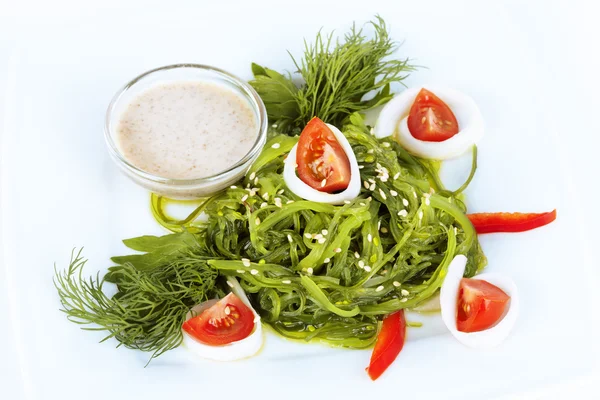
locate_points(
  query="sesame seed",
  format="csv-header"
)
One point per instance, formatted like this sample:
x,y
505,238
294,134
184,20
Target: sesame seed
x,y
427,202
256,180
379,288
393,193
254,271
371,180
324,232
241,271
277,201
323,182
372,187
372,131
362,204
308,235
322,240
396,283
404,292
252,176
367,268
403,300
369,198
289,202
420,214
326,260
265,196
286,281
382,194
366,184
276,145
318,236
280,191
361,264
244,198
384,230
378,225
370,151
227,310
337,250
370,237
361,166
246,262
356,254
426,195
290,239
397,175
263,204
309,271
233,187
405,202
415,194
347,202
385,144
455,230
402,213
229,284
257,221
274,125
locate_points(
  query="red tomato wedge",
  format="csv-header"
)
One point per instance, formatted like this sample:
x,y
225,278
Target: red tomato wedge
x,y
322,162
510,222
388,345
227,321
430,119
480,305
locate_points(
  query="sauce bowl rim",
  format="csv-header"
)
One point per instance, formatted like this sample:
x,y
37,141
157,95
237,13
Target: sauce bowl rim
x,y
246,90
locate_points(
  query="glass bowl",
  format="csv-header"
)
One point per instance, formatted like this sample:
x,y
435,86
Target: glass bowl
x,y
184,188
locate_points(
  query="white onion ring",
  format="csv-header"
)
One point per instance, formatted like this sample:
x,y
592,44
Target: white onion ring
x,y
301,189
490,337
243,348
393,120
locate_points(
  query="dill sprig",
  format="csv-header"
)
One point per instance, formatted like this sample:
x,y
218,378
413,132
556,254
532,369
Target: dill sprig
x,y
337,77
147,311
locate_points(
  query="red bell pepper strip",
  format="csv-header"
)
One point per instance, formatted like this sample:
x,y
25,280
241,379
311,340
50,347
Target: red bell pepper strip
x,y
388,345
510,222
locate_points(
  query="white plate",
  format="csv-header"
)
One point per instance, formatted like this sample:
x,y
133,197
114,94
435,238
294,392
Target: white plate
x,y
60,190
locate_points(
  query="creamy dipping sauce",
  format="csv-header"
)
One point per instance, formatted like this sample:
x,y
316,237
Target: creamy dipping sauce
x,y
186,130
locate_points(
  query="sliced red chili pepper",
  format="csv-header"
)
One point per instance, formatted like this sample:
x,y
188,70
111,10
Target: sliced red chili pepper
x,y
510,222
388,345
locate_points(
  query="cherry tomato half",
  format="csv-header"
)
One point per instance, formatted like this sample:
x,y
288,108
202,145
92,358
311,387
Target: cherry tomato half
x,y
480,305
322,162
227,321
430,119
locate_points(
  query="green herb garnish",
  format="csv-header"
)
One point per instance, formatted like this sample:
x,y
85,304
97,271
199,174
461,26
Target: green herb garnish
x,y
149,307
337,76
